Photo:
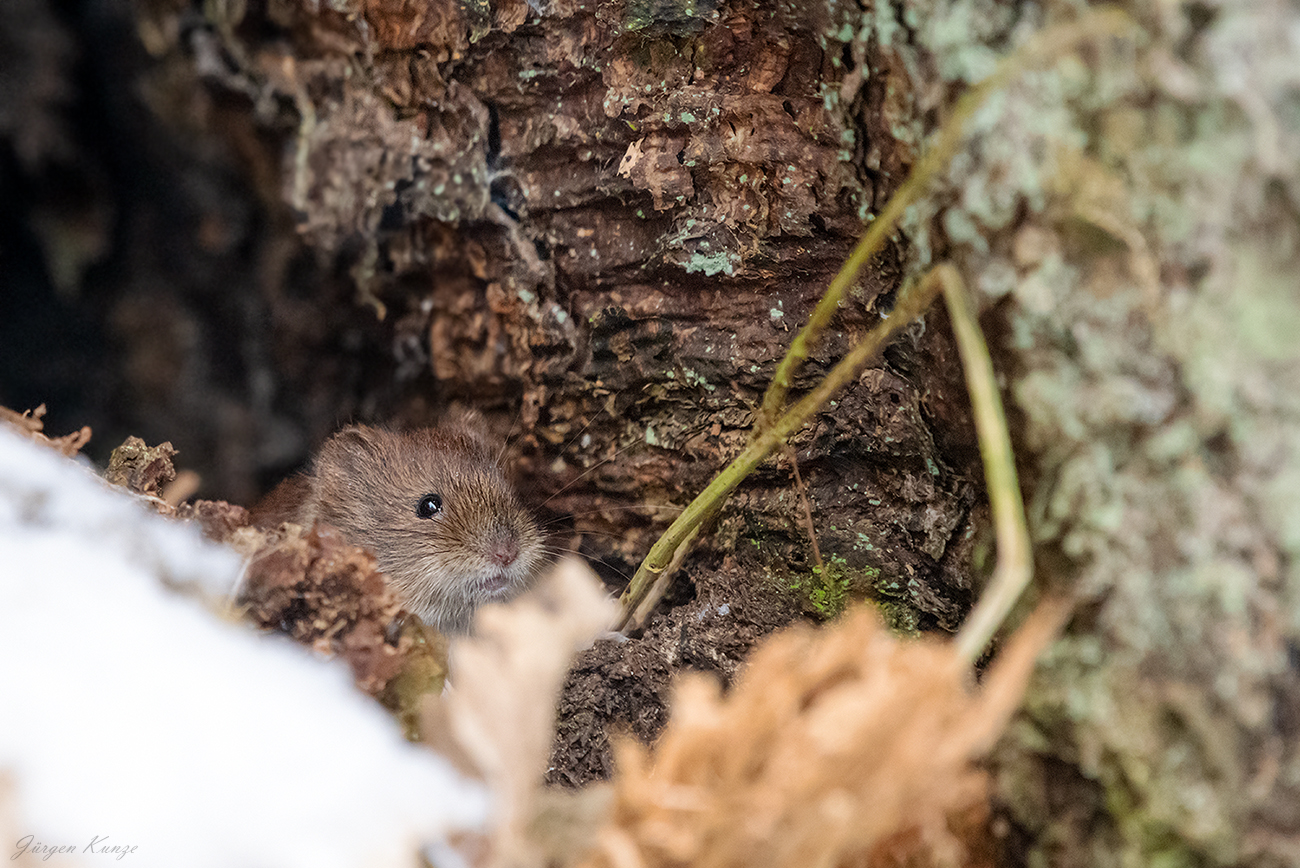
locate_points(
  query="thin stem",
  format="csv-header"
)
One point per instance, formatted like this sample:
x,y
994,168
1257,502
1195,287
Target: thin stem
x,y
1014,566
657,590
1046,46
771,431
805,504
909,307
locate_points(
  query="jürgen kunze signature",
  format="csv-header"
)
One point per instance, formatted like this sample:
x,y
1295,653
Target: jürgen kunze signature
x,y
98,846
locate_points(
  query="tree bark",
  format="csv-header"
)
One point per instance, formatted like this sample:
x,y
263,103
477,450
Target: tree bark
x,y
600,222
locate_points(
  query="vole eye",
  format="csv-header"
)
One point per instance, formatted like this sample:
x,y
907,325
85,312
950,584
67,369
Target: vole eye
x,y
429,506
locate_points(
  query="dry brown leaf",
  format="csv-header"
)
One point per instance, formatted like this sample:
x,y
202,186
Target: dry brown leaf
x,y
844,746
500,709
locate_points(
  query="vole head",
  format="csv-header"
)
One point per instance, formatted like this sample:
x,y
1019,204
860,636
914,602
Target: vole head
x,y
437,512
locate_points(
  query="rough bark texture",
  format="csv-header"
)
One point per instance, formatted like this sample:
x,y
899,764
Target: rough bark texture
x,y
1129,218
599,222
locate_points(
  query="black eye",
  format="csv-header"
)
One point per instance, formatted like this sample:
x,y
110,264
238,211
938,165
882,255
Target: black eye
x,y
429,506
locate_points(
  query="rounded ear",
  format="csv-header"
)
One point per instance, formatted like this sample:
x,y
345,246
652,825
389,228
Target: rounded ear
x,y
471,428
357,436
351,446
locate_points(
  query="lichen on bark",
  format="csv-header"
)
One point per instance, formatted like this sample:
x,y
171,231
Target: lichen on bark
x,y
1129,218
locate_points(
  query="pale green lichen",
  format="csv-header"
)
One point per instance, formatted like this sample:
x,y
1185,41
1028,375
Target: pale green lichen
x,y
1158,377
695,378
709,264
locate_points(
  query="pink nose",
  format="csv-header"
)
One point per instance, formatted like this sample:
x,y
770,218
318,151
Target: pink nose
x,y
504,551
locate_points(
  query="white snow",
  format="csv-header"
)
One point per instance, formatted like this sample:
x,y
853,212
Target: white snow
x,y
132,716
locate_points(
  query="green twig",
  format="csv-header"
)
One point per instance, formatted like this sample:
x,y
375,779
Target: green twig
x,y
909,307
1044,47
771,431
660,584
1015,558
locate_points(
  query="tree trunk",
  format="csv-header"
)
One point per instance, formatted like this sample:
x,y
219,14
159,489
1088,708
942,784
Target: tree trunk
x,y
602,223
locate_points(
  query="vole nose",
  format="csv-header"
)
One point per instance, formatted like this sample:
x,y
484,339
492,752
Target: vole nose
x,y
504,550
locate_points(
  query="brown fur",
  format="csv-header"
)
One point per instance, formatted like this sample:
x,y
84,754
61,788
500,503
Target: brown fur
x,y
367,482
284,503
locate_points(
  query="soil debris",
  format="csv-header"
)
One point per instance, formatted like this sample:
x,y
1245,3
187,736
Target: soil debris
x,y
29,423
322,592
624,684
140,468
219,520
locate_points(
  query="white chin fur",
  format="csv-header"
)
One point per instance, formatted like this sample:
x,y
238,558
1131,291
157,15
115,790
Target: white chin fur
x,y
449,605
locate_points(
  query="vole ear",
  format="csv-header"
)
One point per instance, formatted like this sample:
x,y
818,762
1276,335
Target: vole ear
x,y
358,436
352,446
471,428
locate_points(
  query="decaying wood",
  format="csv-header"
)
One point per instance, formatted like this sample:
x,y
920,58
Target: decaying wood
x,y
605,220
602,224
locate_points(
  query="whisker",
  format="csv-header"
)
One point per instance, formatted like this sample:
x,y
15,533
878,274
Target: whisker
x,y
595,562
558,547
588,472
557,553
597,533
575,437
505,441
590,512
607,565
